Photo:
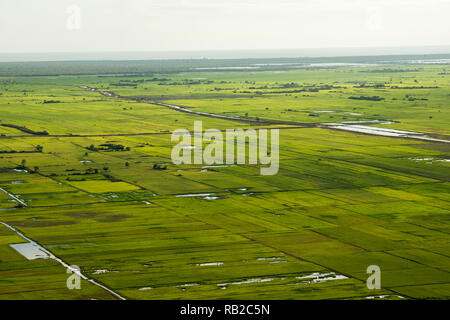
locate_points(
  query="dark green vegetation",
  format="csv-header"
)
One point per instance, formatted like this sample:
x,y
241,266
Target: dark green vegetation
x,y
101,192
156,67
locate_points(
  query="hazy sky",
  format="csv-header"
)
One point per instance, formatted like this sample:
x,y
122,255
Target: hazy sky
x,y
164,25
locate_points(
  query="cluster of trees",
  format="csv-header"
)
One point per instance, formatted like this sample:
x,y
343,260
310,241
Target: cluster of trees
x,y
51,101
111,178
15,151
86,172
108,147
23,166
258,88
374,98
158,166
290,85
414,99
124,85
376,85
221,89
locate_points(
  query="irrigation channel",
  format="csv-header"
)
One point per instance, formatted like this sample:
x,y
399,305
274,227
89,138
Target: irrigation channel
x,y
360,127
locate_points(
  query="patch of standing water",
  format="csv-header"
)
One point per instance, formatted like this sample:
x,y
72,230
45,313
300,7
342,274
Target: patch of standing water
x,y
210,198
194,195
422,159
270,258
188,147
430,160
429,61
209,264
321,277
31,250
353,126
253,280
187,285
17,182
383,297
100,271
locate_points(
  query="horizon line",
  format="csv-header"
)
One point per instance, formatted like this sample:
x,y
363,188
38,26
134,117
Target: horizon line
x,y
222,54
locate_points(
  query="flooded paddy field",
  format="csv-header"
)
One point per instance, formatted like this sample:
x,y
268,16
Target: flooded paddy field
x,y
101,192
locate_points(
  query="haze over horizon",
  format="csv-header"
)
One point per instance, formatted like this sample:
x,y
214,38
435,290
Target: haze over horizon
x,y
62,26
223,54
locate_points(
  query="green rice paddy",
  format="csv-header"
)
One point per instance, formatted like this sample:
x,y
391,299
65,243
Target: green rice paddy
x,y
340,202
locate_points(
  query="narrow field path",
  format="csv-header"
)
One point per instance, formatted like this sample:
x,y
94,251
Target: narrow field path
x,y
14,197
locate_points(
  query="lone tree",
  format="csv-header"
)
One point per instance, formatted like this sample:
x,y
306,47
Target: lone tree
x,y
158,166
39,148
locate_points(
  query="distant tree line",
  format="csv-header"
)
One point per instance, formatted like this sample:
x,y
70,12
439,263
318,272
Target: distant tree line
x,y
51,101
374,98
376,85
